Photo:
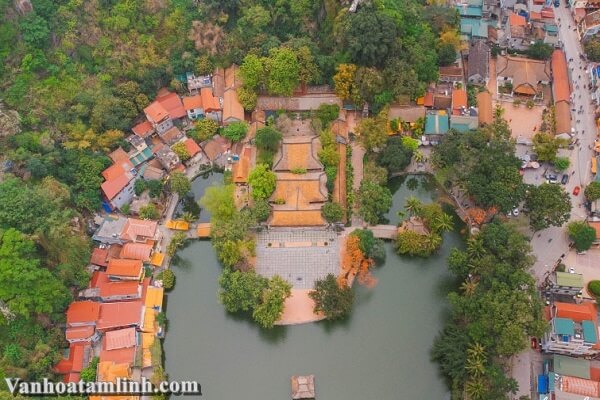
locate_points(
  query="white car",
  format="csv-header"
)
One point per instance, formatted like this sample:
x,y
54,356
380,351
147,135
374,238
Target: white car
x,y
571,270
515,212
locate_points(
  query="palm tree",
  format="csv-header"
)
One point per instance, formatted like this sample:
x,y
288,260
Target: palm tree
x,y
469,286
475,388
476,350
412,205
475,247
188,217
442,223
434,241
419,156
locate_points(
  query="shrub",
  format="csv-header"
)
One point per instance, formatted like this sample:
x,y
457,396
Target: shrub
x,y
139,186
298,171
594,288
261,210
235,131
149,211
204,129
333,212
262,181
168,278
181,151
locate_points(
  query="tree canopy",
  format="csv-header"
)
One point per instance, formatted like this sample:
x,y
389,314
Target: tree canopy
x,y
262,181
582,234
547,205
331,299
373,201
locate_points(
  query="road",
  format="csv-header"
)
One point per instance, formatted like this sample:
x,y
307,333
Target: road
x,y
549,244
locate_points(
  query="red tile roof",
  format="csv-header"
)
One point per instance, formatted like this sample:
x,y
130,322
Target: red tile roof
x,y
547,12
232,108
119,155
576,312
172,103
517,20
99,257
192,102
136,251
80,332
108,288
119,339
72,377
82,312
122,314
117,177
143,129
156,112
135,228
428,100
124,268
459,99
75,361
192,147
117,169
240,170
118,356
560,77
210,102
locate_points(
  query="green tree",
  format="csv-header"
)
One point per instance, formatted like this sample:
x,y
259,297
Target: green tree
x,y
35,30
240,291
168,278
261,210
327,113
562,163
248,99
284,71
262,181
218,200
546,146
592,191
333,212
413,205
235,131
446,54
252,72
155,187
594,287
395,157
181,151
179,183
329,156
149,211
88,374
547,205
268,138
27,288
204,129
373,201
272,300
540,50
582,235
592,50
372,133
331,299
176,242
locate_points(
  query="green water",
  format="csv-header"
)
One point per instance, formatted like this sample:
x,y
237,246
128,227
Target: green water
x,y
380,353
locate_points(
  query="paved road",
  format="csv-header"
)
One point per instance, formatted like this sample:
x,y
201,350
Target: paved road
x,y
550,244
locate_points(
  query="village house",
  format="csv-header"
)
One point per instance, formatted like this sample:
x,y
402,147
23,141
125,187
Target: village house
x,y
167,158
516,32
241,169
144,129
120,315
573,329
99,257
232,109
119,346
450,74
139,152
102,288
79,357
561,92
136,251
109,230
124,269
217,150
589,26
478,64
196,83
194,150
140,231
119,182
522,76
171,136
158,117
152,173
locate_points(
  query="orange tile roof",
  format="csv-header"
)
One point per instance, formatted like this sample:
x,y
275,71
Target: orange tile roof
x,y
517,20
109,371
297,218
192,147
81,312
143,129
203,230
156,112
459,99
121,314
154,297
119,339
157,259
172,103
210,102
113,187
232,78
560,77
117,169
596,226
80,332
547,12
72,377
240,170
135,228
535,15
119,155
580,386
136,251
484,108
172,135
576,312
232,109
99,257
428,100
124,268
108,288
192,102
119,356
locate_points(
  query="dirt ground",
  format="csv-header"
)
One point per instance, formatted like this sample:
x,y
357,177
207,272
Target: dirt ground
x,y
524,122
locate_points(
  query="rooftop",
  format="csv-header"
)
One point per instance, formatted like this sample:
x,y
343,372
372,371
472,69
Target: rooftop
x,y
143,129
136,251
99,257
136,229
122,314
569,280
83,312
119,339
577,367
192,147
171,102
124,268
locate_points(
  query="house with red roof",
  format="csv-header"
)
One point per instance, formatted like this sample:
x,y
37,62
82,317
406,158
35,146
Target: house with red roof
x,y
81,334
108,290
99,257
136,251
79,357
119,346
122,314
144,129
193,106
573,329
158,117
232,108
83,313
140,231
118,187
124,270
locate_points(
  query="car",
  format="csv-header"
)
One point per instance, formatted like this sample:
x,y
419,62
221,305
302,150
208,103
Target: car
x,y
565,179
551,178
576,190
571,270
557,3
515,212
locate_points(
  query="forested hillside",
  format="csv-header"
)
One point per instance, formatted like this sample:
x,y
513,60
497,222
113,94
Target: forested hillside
x,y
79,72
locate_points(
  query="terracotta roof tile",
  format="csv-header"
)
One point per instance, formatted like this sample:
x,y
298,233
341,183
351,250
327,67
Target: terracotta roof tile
x,y
99,257
576,312
517,20
560,77
117,169
171,102
79,332
124,268
484,106
136,251
119,339
240,170
118,356
83,312
232,108
135,229
120,315
209,101
143,129
156,112
113,187
192,147
109,289
192,102
459,99
119,155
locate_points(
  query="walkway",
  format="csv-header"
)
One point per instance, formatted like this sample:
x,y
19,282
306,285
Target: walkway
x,y
297,103
384,231
299,309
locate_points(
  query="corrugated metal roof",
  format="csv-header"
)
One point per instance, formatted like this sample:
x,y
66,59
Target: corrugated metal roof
x,y
590,332
569,280
564,326
577,367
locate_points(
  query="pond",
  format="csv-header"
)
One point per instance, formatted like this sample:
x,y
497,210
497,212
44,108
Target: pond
x,y
199,185
381,352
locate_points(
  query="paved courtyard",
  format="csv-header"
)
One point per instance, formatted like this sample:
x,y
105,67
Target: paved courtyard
x,y
300,256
